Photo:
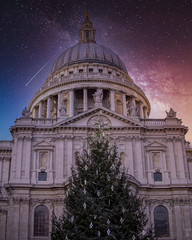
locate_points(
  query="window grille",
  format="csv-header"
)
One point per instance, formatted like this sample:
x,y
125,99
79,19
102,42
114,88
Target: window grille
x,y
41,221
161,221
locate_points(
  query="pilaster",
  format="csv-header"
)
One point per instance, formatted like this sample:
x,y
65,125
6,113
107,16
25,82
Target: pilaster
x,y
71,100
49,106
85,102
141,114
112,100
58,104
40,109
124,105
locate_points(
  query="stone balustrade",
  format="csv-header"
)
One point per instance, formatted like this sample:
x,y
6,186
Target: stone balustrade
x,y
95,76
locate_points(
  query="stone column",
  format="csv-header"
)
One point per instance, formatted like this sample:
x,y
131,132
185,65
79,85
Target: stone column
x,y
71,102
13,222
178,222
129,152
112,100
124,105
171,159
34,160
187,222
49,103
150,178
40,109
35,112
23,220
3,221
178,151
59,164
145,112
141,114
166,177
58,104
19,159
85,103
139,160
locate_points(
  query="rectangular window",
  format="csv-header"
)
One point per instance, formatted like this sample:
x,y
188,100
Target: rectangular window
x,y
42,176
80,70
100,70
158,177
90,70
71,72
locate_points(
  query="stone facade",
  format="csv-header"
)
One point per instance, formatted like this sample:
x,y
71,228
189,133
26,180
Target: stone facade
x,y
36,164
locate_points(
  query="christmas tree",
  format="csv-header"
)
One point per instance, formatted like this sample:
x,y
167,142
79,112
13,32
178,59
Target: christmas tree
x,y
99,202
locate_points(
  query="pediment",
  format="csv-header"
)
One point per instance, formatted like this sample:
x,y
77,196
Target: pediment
x,y
91,117
43,145
156,146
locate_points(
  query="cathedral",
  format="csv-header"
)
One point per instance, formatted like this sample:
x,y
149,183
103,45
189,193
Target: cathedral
x,y
89,82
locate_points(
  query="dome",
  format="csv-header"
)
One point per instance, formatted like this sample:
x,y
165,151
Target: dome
x,y
88,52
85,76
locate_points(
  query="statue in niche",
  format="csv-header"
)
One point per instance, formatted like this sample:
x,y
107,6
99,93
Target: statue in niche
x,y
98,97
63,110
54,109
132,108
43,160
26,113
171,113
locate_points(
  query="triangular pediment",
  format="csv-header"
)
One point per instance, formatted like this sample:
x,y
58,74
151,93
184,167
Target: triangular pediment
x,y
89,118
43,144
155,144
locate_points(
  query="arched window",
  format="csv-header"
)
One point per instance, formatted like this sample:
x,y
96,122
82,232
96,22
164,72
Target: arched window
x,y
41,221
161,221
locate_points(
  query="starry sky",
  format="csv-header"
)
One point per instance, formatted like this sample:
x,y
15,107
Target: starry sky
x,y
152,37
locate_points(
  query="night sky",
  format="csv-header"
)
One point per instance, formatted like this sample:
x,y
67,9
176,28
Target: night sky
x,y
152,37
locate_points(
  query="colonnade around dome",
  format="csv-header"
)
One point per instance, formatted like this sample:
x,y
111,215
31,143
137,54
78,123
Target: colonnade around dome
x,y
70,92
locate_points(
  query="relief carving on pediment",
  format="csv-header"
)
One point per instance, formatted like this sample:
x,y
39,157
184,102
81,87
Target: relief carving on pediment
x,y
99,120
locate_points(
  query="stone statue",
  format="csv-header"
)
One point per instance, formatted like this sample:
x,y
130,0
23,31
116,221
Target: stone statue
x,y
171,113
132,108
63,110
98,97
26,113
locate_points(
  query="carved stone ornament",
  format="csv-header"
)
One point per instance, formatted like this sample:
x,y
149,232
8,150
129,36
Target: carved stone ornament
x,y
132,108
3,192
97,120
26,112
98,97
171,113
63,110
